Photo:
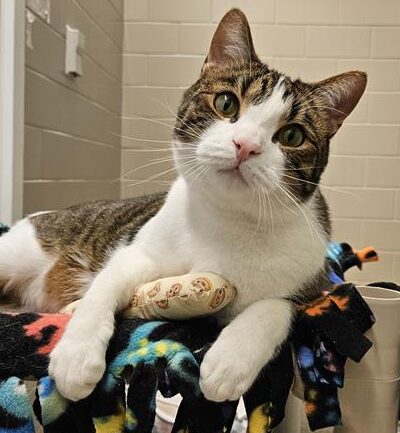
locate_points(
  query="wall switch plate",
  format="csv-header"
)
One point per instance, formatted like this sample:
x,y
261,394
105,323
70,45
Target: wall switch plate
x,y
75,43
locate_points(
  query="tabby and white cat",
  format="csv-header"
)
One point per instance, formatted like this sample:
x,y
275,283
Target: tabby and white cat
x,y
246,137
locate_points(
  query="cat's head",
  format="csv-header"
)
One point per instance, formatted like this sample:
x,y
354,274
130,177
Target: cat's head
x,y
243,126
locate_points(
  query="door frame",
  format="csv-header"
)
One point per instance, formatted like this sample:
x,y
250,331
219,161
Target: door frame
x,y
12,87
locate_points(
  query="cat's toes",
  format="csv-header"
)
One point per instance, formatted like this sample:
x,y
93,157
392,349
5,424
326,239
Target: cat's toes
x,y
77,367
224,378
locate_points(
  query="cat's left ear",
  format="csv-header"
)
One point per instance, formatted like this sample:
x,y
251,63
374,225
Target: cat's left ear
x,y
342,93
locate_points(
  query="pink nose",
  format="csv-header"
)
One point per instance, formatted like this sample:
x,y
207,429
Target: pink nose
x,y
245,149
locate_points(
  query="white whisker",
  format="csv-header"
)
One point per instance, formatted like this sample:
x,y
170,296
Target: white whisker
x,y
271,213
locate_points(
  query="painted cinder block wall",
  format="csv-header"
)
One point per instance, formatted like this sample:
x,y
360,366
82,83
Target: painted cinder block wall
x,y
164,46
73,127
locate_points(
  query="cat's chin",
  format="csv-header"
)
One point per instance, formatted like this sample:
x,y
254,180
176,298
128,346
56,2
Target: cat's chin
x,y
232,184
233,175
244,180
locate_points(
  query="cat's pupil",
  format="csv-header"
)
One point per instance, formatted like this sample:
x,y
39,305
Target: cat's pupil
x,y
291,136
226,104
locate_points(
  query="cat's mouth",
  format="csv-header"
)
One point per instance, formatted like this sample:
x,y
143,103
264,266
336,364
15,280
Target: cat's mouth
x,y
233,173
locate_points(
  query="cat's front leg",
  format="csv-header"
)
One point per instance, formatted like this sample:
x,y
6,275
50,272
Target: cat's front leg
x,y
243,348
78,361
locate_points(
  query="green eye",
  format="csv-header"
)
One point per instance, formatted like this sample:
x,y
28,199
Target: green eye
x,y
291,135
226,104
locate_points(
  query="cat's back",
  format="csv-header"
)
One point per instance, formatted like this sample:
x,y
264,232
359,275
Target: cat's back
x,y
96,226
49,259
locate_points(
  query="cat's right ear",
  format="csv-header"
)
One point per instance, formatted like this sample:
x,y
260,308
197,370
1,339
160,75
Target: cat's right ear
x,y
232,42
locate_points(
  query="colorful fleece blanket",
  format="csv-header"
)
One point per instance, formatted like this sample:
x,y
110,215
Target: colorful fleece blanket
x,y
165,355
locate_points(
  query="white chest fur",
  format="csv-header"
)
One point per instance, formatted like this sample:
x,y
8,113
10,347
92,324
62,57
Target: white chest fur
x,y
268,260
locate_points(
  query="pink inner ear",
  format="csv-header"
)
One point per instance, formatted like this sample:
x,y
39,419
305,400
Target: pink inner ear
x,y
344,91
232,41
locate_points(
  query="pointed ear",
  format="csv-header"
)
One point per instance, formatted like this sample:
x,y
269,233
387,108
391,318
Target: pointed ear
x,y
232,41
342,93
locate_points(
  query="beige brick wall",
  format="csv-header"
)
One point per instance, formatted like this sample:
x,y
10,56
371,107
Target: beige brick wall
x,y
164,46
73,127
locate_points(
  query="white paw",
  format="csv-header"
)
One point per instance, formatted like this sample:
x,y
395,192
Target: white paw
x,y
77,365
226,374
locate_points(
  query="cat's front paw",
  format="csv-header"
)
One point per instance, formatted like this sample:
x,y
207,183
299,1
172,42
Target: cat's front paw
x,y
77,365
226,374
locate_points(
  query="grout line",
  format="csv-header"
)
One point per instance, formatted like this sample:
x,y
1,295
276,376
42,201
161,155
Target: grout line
x,y
70,86
383,157
52,80
149,86
363,188
34,12
265,24
365,172
138,117
322,58
396,125
370,43
95,22
168,55
373,220
119,13
44,181
297,57
384,92
72,136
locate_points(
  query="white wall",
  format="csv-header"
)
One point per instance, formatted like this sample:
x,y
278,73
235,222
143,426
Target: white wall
x,y
72,126
12,37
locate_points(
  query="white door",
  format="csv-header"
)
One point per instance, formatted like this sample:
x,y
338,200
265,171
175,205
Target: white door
x,y
12,65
